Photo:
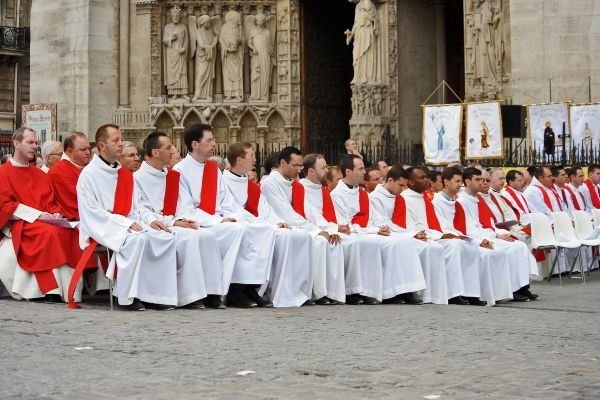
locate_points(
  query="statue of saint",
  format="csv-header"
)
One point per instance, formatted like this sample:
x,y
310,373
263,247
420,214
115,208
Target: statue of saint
x,y
175,39
365,33
204,48
262,58
231,41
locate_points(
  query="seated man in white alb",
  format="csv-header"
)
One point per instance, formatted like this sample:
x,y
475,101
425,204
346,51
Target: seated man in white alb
x,y
573,188
144,256
402,274
246,249
591,188
290,280
199,266
513,195
285,194
441,266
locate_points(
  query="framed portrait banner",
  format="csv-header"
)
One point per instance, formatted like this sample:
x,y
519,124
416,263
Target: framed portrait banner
x,y
584,123
484,130
42,119
546,126
441,133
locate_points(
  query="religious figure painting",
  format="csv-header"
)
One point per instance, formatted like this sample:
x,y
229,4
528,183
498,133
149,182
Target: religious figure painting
x,y
441,133
548,126
584,120
484,130
260,34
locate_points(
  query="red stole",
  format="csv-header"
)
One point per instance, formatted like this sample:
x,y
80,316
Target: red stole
x,y
555,193
399,214
362,216
122,206
593,193
63,178
460,219
298,198
171,193
486,216
515,197
253,198
208,192
428,193
573,197
328,209
545,197
432,220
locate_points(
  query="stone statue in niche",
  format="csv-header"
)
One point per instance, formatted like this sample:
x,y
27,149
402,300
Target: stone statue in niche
x,y
204,37
365,33
231,40
486,38
260,32
175,40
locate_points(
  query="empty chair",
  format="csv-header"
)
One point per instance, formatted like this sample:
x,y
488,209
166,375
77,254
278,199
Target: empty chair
x,y
566,237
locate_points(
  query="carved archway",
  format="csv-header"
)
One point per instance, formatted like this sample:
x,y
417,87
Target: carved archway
x,y
192,117
277,130
220,124
248,124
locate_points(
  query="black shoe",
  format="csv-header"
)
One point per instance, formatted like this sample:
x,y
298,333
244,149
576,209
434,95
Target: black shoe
x,y
214,301
135,306
196,305
474,301
53,299
394,300
519,297
459,300
158,307
251,293
370,301
354,299
323,301
527,293
309,302
411,298
334,302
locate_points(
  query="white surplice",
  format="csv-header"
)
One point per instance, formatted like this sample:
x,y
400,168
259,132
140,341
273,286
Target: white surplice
x,y
585,192
522,206
327,260
503,212
535,198
247,249
402,271
146,261
199,266
290,279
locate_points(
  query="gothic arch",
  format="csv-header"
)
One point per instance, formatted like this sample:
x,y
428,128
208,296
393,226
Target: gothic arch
x,y
277,129
191,117
248,124
165,122
221,113
220,123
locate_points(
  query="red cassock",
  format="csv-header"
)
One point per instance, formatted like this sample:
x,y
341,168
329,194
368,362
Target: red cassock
x,y
40,247
63,178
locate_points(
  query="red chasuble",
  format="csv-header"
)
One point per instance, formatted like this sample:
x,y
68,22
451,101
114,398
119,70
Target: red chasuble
x,y
399,213
40,247
63,178
298,198
362,216
253,198
208,192
593,193
171,193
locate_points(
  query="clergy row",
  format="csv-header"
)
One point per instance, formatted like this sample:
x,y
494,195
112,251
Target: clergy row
x,y
189,235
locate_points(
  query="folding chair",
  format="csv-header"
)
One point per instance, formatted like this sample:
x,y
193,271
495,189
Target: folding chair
x,y
563,226
542,238
583,229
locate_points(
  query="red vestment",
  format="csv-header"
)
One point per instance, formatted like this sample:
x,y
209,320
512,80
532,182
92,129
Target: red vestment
x,y
63,178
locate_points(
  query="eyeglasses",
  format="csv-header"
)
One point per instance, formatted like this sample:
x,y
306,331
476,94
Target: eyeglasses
x,y
297,166
56,154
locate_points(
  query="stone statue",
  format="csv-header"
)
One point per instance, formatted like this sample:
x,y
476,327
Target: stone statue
x,y
231,40
175,39
261,42
365,33
484,43
204,48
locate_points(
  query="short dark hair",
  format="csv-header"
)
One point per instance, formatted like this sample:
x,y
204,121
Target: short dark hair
x,y
512,175
70,139
593,167
369,170
556,170
310,160
396,172
410,171
236,150
331,168
347,162
450,172
195,133
270,162
152,142
539,172
102,132
433,174
573,171
470,172
531,170
286,154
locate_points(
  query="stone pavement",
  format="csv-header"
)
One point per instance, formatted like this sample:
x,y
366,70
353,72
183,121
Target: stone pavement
x,y
547,349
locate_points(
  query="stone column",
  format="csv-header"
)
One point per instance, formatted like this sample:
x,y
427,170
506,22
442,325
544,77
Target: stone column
x,y
234,133
124,53
440,43
261,136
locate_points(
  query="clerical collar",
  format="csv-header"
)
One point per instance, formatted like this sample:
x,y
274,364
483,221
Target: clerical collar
x,y
495,191
349,186
113,165
239,176
447,196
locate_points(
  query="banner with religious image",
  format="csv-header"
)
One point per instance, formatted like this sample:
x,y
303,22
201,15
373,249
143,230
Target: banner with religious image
x,y
584,123
484,130
546,125
441,133
42,119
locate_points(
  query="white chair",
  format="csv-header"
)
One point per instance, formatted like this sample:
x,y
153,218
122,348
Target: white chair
x,y
542,238
566,237
583,230
596,215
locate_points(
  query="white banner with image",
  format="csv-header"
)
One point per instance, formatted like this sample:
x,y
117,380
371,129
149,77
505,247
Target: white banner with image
x,y
545,124
484,130
441,133
584,121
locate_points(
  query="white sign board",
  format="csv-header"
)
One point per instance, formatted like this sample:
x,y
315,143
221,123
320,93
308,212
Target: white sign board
x,y
441,133
42,119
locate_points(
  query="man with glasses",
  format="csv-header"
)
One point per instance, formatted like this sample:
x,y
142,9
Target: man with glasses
x,y
372,179
130,158
51,153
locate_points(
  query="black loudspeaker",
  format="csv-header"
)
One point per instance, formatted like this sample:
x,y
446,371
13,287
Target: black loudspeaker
x,y
513,121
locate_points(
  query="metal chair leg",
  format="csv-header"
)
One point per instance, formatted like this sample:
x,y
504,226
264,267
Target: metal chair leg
x,y
554,266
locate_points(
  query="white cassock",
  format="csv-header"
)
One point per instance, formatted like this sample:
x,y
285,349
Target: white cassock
x,y
358,275
521,262
327,260
199,266
462,258
290,279
247,249
402,271
431,253
517,201
146,261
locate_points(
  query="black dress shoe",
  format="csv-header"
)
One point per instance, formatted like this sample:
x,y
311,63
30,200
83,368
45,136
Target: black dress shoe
x,y
519,297
135,306
411,298
474,301
527,293
253,295
158,307
323,301
354,299
393,300
53,299
370,301
196,305
214,301
237,298
459,300
334,302
309,302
